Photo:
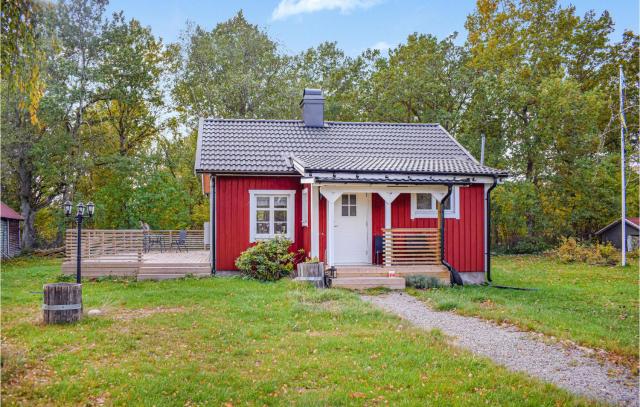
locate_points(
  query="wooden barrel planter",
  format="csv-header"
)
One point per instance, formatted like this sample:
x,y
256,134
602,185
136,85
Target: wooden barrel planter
x,y
311,272
62,303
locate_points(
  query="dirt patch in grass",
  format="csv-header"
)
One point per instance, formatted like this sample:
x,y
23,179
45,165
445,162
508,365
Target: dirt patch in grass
x,y
124,314
13,362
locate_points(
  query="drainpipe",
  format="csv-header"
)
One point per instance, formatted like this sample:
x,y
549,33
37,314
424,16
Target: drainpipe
x,y
455,276
212,222
488,236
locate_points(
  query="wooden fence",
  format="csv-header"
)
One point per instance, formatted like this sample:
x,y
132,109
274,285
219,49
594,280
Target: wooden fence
x,y
411,246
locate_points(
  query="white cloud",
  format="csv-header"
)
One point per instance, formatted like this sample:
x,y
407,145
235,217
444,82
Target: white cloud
x,y
288,8
381,45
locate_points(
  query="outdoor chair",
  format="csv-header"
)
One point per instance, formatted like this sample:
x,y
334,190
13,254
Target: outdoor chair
x,y
181,241
379,248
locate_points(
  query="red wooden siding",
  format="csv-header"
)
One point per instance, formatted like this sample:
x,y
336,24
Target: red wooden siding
x,y
464,240
232,214
464,237
377,223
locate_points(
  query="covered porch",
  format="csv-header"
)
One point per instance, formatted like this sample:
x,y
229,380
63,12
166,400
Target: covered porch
x,y
360,255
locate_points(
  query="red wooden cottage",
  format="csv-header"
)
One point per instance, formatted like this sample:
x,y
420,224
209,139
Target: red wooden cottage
x,y
364,198
9,231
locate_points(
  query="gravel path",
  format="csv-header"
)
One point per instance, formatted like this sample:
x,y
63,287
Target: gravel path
x,y
571,369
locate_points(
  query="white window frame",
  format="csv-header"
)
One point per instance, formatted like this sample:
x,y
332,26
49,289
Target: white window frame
x,y
453,213
305,207
291,209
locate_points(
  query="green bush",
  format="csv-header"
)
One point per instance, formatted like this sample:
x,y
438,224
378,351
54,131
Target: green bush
x,y
570,250
269,260
422,282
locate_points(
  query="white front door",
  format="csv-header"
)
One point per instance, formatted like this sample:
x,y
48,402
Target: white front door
x,y
352,229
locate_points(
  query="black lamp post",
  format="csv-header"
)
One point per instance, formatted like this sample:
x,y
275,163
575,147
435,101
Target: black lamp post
x,y
80,215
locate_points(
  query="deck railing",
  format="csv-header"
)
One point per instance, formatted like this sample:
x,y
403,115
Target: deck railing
x,y
411,246
120,244
127,244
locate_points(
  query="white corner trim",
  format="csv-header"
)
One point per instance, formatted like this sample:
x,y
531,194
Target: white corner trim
x,y
433,213
315,222
305,207
291,213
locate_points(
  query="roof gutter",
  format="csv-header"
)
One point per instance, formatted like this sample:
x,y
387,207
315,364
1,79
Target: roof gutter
x,y
453,174
455,276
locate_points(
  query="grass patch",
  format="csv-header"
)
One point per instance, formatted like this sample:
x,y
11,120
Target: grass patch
x,y
217,341
595,306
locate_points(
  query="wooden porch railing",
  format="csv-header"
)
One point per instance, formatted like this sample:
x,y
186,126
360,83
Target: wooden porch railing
x,y
411,246
126,244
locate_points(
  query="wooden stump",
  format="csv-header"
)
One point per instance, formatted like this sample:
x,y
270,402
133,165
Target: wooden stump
x,y
311,272
62,303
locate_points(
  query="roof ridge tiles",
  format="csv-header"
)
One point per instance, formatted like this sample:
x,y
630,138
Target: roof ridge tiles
x,y
337,122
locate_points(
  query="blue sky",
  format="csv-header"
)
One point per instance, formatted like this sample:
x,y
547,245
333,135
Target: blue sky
x,y
354,24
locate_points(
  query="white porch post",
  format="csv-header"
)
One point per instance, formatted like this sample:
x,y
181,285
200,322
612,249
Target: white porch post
x,y
388,197
331,197
315,222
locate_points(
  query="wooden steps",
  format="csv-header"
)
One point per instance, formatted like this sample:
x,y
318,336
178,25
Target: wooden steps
x,y
363,277
169,276
159,271
362,283
148,266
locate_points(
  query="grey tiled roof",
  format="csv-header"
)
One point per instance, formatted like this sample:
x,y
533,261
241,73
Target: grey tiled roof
x,y
266,146
394,164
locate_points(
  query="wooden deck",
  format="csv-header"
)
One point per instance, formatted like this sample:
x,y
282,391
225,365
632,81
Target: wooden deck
x,y
149,266
393,277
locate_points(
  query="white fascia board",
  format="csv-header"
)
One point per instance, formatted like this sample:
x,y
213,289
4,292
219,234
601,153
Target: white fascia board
x,y
351,177
375,188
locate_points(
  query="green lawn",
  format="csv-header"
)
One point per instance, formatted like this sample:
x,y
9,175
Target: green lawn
x,y
592,305
228,341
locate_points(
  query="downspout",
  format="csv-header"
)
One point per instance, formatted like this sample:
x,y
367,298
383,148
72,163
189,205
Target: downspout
x,y
488,245
212,222
488,236
455,276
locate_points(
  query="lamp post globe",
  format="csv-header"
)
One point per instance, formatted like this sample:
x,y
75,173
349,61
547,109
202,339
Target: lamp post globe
x,y
80,209
68,206
90,208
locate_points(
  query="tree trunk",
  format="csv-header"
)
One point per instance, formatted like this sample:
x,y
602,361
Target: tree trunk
x,y
26,197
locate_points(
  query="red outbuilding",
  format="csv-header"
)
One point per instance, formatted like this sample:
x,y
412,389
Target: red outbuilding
x,y
367,199
9,231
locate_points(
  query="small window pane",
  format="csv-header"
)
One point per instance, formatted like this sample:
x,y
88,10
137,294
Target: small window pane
x,y
262,216
280,201
345,210
262,202
423,201
447,204
345,200
280,216
352,211
352,199
262,228
280,227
